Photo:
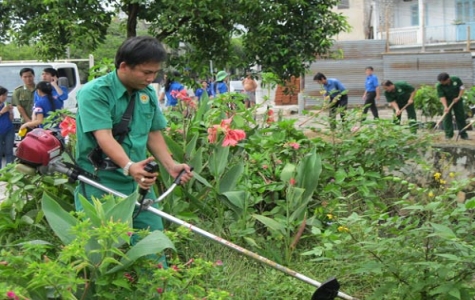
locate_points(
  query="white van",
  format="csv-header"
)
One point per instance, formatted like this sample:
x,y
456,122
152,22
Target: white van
x,y
68,75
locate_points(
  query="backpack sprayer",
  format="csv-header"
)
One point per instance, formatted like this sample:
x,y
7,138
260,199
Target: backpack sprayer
x,y
41,151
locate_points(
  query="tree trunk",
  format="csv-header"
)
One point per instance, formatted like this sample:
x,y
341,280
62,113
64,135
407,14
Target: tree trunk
x,y
132,13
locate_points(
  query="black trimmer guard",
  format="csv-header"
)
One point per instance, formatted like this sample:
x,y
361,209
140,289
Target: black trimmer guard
x,y
328,290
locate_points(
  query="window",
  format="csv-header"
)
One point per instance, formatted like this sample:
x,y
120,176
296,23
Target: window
x,y
465,10
344,4
415,14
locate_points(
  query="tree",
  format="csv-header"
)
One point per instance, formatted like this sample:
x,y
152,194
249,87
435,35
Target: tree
x,y
282,36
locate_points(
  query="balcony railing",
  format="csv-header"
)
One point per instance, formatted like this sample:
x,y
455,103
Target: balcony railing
x,y
433,34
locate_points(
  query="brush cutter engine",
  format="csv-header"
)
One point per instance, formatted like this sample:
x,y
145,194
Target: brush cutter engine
x,y
39,148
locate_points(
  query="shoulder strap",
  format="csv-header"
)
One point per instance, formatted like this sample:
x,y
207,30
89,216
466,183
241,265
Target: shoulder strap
x,y
122,128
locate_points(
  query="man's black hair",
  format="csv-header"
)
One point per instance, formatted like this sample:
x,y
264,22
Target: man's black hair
x,y
51,71
139,50
319,76
387,83
45,87
24,70
369,68
3,90
443,76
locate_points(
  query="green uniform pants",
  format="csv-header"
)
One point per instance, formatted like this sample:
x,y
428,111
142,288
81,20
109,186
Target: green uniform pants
x,y
459,119
411,116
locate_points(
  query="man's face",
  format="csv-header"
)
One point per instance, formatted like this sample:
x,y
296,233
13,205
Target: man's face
x,y
322,81
45,76
445,82
389,89
139,76
204,84
28,78
368,72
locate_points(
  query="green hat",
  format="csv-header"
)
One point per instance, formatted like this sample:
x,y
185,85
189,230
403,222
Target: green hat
x,y
221,75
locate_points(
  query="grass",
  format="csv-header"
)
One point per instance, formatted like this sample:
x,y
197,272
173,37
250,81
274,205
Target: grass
x,y
249,279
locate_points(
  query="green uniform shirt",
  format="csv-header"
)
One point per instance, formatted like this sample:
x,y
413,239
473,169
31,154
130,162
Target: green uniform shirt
x,y
451,90
101,104
23,97
401,93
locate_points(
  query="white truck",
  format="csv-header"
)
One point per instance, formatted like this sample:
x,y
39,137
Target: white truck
x,y
68,75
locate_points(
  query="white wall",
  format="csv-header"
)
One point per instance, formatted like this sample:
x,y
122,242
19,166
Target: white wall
x,y
357,17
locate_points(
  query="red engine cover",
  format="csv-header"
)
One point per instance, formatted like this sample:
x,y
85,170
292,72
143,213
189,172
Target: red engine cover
x,y
39,147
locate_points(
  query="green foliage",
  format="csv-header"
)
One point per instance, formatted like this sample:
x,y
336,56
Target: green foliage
x,y
54,25
101,68
427,101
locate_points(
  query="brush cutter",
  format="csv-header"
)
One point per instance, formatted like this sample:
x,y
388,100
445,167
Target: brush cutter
x,y
332,103
443,116
464,129
41,151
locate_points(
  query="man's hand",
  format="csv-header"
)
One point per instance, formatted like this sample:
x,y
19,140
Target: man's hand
x,y
398,112
377,98
54,81
456,100
144,179
446,109
177,168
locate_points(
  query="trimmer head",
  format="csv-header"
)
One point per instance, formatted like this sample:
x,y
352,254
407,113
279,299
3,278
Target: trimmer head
x,y
328,290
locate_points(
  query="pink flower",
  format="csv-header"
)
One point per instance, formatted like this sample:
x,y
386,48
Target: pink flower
x,y
278,162
213,133
12,295
129,233
174,267
159,290
296,146
270,116
355,129
232,137
68,126
160,266
218,263
292,181
264,167
182,95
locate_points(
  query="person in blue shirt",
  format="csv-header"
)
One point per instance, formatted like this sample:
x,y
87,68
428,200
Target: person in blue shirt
x,y
220,86
338,95
7,132
59,92
44,105
204,87
172,84
371,93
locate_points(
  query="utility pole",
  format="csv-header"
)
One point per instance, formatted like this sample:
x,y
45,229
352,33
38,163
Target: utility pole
x,y
422,25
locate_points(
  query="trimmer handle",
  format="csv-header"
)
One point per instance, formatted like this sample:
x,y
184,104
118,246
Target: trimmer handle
x,y
177,180
150,167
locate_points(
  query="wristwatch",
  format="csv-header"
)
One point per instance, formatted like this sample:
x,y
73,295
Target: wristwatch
x,y
127,167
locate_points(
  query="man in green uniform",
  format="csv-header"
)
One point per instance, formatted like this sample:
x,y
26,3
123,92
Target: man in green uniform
x,y
22,96
401,97
102,104
450,90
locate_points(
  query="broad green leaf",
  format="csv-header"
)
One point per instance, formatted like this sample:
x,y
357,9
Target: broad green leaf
x,y
443,231
272,224
251,242
470,204
218,161
154,243
196,161
229,180
308,173
122,212
202,180
175,148
288,172
58,219
90,211
238,198
191,146
340,176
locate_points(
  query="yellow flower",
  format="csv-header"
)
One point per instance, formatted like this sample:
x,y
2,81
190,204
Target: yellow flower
x,y
452,174
437,176
343,229
442,181
431,194
329,216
